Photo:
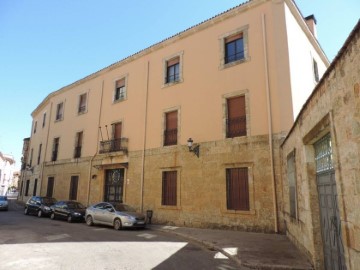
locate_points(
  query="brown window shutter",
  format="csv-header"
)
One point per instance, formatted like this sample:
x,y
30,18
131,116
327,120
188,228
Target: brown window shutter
x,y
79,139
237,188
120,83
236,107
236,121
171,120
169,188
234,37
173,61
117,130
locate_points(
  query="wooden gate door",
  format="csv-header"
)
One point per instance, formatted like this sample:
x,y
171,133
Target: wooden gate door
x,y
114,183
329,211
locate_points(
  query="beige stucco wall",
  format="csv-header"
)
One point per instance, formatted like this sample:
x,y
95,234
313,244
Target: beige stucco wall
x,y
334,108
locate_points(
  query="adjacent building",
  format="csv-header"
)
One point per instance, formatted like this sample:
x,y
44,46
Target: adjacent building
x,y
7,168
320,166
189,127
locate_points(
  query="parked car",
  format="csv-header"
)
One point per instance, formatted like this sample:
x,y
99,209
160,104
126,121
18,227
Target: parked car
x,y
118,215
39,205
4,203
69,210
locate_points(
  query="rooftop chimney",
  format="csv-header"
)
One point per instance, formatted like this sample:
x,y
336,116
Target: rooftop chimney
x,y
311,23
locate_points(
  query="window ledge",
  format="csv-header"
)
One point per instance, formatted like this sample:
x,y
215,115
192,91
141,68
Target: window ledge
x,y
119,100
165,85
234,63
81,113
169,207
58,120
239,212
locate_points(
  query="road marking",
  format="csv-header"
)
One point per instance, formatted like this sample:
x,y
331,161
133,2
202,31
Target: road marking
x,y
147,235
233,251
220,256
170,227
99,229
57,237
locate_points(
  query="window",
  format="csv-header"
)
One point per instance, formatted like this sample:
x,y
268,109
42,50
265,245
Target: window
x,y
35,187
120,90
169,188
73,187
234,48
31,156
59,111
316,71
173,70
171,128
35,126
236,117
291,175
82,103
44,120
78,144
237,189
55,149
39,154
27,187
116,128
21,188
50,187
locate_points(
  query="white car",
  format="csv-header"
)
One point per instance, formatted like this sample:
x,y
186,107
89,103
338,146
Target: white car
x,y
118,215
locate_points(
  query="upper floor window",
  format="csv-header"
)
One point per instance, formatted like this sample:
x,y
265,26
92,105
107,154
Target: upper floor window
x,y
236,117
316,71
82,103
31,156
234,47
173,69
78,144
59,111
35,126
55,149
171,128
44,120
39,154
120,89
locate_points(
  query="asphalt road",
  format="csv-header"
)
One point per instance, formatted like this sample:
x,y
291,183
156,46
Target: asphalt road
x,y
29,242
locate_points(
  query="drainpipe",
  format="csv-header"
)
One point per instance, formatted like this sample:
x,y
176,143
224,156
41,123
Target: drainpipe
x,y
268,101
144,143
46,146
97,143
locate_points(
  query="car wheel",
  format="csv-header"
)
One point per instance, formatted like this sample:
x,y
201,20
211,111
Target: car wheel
x,y
89,221
117,224
69,219
26,211
52,216
39,213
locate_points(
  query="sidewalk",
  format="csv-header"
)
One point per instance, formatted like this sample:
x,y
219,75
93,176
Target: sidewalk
x,y
252,250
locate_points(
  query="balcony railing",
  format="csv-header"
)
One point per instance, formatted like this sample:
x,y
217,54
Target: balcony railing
x,y
54,156
170,137
236,127
114,145
77,152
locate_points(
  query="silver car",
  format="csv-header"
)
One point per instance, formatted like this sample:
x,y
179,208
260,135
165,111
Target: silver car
x,y
4,203
118,215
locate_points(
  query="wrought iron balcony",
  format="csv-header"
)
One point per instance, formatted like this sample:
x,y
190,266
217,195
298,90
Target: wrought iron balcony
x,y
170,137
114,145
236,127
77,152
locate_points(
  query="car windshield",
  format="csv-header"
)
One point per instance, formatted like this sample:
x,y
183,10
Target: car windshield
x,y
49,200
3,198
124,208
75,205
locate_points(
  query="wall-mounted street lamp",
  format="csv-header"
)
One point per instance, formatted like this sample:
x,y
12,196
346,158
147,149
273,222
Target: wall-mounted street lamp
x,y
195,148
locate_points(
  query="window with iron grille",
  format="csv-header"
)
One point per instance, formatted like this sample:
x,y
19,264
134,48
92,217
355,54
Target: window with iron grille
x,y
236,117
39,154
171,128
35,187
234,48
55,149
50,187
237,189
78,144
173,70
169,188
82,103
73,187
291,175
59,111
120,90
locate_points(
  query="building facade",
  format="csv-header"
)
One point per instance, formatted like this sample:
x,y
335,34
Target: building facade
x,y
7,168
320,166
227,85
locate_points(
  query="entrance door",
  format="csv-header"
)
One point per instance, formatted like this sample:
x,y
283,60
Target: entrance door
x,y
329,211
114,182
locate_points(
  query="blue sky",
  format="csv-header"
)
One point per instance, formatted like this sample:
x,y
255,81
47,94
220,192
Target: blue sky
x,y
45,45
